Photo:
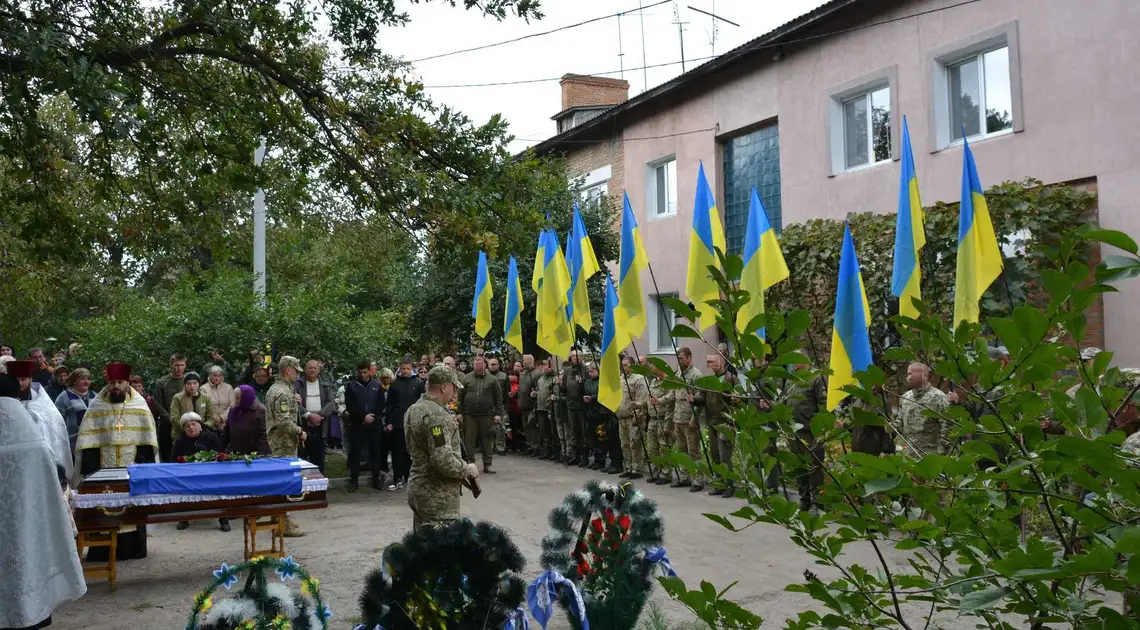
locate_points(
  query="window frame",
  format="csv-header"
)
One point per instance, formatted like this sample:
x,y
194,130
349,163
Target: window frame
x,y
651,201
869,121
838,97
942,59
597,179
655,324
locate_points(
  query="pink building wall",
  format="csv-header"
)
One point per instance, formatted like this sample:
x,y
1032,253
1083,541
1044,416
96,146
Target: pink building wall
x,y
1080,92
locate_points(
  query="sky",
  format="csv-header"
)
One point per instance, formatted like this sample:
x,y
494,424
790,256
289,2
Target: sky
x,y
438,28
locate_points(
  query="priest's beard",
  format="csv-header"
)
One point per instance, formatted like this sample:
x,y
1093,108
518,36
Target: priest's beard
x,y
116,396
24,395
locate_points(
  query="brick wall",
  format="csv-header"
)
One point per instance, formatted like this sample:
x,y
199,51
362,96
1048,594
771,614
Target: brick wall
x,y
1094,331
578,91
588,157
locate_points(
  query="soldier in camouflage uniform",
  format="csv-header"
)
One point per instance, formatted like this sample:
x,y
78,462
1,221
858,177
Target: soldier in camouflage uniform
x,y
573,384
717,405
631,413
282,421
438,469
921,434
659,433
500,429
806,400
686,416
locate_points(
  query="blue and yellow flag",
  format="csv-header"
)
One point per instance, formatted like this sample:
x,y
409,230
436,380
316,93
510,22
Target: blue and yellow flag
x,y
764,263
481,305
583,264
706,237
979,257
554,332
910,236
630,317
850,340
609,370
512,318
539,261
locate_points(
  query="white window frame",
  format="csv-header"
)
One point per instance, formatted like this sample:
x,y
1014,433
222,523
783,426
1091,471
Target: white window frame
x,y
842,94
595,185
946,57
651,188
654,324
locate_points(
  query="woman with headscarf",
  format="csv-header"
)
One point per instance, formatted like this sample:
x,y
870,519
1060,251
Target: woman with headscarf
x,y
245,425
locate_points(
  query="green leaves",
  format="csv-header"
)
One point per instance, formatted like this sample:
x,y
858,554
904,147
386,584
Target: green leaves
x,y
982,599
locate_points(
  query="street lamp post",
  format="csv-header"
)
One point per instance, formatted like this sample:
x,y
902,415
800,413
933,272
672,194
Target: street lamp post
x,y
259,232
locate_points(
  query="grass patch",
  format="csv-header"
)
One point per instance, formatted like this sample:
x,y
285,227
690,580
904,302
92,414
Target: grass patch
x,y
336,466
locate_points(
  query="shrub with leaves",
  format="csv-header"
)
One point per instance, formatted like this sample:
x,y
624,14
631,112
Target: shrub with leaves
x,y
1039,433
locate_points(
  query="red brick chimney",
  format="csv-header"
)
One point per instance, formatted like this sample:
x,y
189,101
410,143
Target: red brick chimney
x,y
585,91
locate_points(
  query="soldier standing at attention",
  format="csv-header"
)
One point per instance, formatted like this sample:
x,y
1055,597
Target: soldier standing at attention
x,y
527,396
438,469
573,380
283,420
922,434
481,407
631,414
500,429
806,400
686,431
659,433
717,406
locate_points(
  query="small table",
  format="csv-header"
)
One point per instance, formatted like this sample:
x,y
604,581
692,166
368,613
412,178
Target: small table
x,y
103,505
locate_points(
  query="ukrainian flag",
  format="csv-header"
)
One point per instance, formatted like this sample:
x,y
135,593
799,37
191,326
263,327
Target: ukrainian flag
x,y
609,372
764,263
979,257
512,319
630,317
539,261
706,237
850,341
481,305
909,234
554,332
583,264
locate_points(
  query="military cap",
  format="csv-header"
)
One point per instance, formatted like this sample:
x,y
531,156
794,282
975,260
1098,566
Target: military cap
x,y
288,362
442,375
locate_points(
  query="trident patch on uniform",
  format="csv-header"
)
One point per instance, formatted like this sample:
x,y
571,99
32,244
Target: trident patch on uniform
x,y
284,406
437,438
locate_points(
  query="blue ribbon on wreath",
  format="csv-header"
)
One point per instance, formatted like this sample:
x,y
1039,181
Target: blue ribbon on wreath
x,y
658,557
542,593
517,620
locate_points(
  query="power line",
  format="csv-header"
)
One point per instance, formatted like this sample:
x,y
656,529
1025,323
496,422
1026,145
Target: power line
x,y
533,35
594,74
780,44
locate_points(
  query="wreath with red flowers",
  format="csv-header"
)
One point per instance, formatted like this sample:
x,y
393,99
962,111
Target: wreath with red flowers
x,y
599,539
213,456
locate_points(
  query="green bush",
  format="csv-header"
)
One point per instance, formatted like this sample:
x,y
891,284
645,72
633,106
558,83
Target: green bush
x,y
952,521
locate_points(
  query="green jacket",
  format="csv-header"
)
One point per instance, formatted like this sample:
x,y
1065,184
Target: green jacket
x,y
806,401
504,387
573,380
718,403
481,395
165,389
545,387
528,381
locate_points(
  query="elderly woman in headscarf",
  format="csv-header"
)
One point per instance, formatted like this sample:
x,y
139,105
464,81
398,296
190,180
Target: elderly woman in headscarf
x,y
220,393
245,424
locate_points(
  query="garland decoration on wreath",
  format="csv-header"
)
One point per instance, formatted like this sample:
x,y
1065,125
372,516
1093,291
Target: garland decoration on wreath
x,y
603,545
459,576
262,603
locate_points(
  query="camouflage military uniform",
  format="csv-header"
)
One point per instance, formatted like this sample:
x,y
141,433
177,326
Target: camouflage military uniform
x,y
438,469
631,414
660,429
281,419
686,427
500,430
923,435
282,424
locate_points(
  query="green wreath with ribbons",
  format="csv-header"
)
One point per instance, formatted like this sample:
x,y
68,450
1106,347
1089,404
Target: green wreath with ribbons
x,y
264,602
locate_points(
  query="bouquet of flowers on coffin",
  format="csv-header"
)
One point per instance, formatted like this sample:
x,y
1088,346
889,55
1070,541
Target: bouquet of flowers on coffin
x,y
599,556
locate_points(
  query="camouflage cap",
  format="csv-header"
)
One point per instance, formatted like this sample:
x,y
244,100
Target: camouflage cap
x,y
288,362
442,375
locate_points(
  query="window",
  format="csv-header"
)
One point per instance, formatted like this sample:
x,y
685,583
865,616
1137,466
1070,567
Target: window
x,y
661,325
595,186
976,87
863,124
750,160
980,100
662,192
594,194
867,128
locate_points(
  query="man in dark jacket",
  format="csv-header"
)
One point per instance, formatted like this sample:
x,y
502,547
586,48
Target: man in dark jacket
x,y
404,391
573,384
317,404
527,396
806,400
165,389
499,429
481,407
364,406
